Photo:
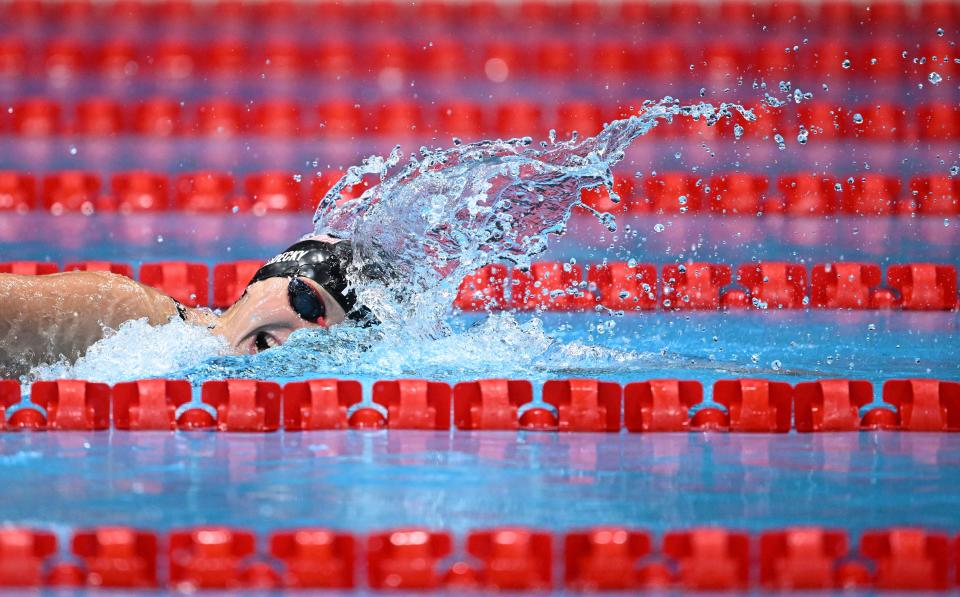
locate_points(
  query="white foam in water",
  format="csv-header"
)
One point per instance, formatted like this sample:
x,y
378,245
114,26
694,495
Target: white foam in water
x,y
433,220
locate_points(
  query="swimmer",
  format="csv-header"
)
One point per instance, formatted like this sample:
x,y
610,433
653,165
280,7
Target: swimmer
x,y
44,319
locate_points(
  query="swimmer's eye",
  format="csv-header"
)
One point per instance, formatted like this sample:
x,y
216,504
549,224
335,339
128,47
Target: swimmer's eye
x,y
263,341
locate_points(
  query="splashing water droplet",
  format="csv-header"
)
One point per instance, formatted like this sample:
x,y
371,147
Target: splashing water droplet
x,y
802,136
658,227
776,365
845,64
954,170
934,78
858,118
837,187
940,31
781,143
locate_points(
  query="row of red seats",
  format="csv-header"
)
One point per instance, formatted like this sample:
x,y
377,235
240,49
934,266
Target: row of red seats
x,y
733,194
501,558
114,59
346,119
831,15
619,286
581,405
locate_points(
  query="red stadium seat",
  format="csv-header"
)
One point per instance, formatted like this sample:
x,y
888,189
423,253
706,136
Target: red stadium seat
x,y
886,14
584,404
604,558
624,286
231,279
938,122
737,193
583,117
512,559
556,58
319,404
208,558
399,118
673,192
281,58
244,404
830,404
64,59
149,404
335,59
277,118
117,557
414,403
446,58
908,559
158,117
776,59
36,117
13,58
389,54
924,404
204,192
844,285
118,60
99,118
664,59
519,118
939,11
755,405
822,121
483,289
227,58
838,15
28,268
340,119
221,118
935,195
694,285
24,554
721,61
616,60
709,558
73,405
71,191
808,194
490,403
18,192
315,558
406,559
122,269
173,60
274,192
871,194
801,559
599,199
883,59
140,192
462,119
660,404
185,282
924,286
503,60
881,122
774,284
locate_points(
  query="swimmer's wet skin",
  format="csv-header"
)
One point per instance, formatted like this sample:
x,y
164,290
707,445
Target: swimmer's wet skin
x,y
44,319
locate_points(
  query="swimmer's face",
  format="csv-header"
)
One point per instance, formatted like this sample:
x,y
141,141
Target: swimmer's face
x,y
263,317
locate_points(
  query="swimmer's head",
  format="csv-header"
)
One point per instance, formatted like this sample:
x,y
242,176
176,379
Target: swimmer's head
x,y
303,287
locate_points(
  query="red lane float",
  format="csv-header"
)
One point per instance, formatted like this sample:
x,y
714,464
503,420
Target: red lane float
x,y
411,404
624,286
512,559
924,404
803,559
830,404
490,403
908,559
73,405
846,285
315,558
18,192
604,559
186,282
9,396
319,403
123,269
244,404
23,554
584,404
149,404
694,285
117,557
406,559
231,279
29,268
924,286
755,405
209,558
483,290
660,404
709,559
775,285
140,191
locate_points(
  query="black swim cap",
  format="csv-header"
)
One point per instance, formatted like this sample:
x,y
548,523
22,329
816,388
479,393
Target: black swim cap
x,y
323,262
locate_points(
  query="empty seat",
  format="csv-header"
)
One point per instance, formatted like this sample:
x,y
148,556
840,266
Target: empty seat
x,y
64,59
664,59
13,58
556,58
159,117
583,117
334,59
519,118
446,58
280,58
503,60
340,119
808,194
98,117
273,192
36,117
278,118
935,195
227,57
878,122
461,119
18,192
673,192
69,191
822,121
140,191
173,60
204,192
615,60
871,194
399,118
737,193
938,122
220,117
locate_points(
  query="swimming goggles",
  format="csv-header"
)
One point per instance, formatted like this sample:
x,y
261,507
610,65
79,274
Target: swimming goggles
x,y
306,301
